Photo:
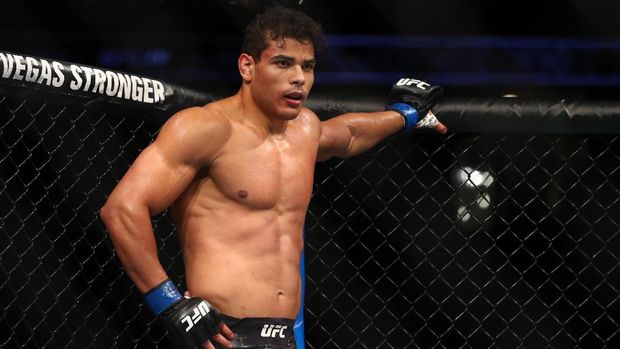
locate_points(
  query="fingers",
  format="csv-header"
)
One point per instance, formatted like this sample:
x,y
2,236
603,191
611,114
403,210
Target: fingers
x,y
430,121
223,338
441,128
436,124
221,341
226,331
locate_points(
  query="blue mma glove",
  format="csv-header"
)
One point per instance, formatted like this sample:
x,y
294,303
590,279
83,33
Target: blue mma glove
x,y
190,319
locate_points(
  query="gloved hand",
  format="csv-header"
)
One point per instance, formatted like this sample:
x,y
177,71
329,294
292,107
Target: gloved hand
x,y
190,319
413,99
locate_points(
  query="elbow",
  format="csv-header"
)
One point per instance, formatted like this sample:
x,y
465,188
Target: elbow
x,y
108,212
114,213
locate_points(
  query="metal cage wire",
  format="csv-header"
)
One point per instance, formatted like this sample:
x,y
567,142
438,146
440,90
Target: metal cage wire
x,y
471,240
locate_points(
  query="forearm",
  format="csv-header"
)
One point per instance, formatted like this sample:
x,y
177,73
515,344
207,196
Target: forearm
x,y
132,234
368,129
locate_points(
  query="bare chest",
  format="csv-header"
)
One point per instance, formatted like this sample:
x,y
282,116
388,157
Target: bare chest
x,y
272,174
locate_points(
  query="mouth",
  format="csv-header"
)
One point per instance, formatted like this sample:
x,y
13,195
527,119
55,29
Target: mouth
x,y
294,97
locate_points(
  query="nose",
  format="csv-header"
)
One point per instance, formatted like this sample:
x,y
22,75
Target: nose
x,y
297,76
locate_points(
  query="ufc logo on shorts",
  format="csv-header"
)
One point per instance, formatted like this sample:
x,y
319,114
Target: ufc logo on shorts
x,y
199,311
273,330
408,82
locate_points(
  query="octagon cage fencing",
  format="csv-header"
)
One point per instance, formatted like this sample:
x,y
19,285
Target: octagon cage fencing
x,y
503,233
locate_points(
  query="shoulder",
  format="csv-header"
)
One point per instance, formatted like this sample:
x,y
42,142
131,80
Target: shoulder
x,y
308,113
197,121
195,134
309,121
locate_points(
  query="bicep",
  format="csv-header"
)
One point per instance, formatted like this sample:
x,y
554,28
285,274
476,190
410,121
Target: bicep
x,y
335,140
154,180
186,143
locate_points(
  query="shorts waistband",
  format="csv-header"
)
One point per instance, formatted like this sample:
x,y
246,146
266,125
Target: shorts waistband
x,y
261,332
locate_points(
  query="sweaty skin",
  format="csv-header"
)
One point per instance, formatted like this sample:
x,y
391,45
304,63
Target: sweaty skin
x,y
240,220
237,174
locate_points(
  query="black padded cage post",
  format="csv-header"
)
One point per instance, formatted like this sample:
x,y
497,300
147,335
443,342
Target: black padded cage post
x,y
502,233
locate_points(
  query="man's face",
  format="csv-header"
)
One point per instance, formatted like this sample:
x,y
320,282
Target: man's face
x,y
283,78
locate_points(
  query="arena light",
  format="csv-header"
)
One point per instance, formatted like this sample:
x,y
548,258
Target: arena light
x,y
473,187
474,178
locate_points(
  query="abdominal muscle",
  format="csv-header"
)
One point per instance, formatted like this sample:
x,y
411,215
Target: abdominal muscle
x,y
244,262
241,233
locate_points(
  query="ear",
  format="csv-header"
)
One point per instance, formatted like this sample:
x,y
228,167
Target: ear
x,y
246,67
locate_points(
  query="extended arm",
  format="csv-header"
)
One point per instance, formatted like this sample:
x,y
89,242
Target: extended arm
x,y
409,107
353,133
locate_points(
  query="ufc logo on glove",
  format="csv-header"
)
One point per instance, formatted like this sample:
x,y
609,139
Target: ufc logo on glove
x,y
201,310
408,82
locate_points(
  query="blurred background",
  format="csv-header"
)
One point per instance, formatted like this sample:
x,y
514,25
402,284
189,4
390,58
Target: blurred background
x,y
566,49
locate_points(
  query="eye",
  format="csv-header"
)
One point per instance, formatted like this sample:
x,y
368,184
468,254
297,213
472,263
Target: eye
x,y
308,66
283,64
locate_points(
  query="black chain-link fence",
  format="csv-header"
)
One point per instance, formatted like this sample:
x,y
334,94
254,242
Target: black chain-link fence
x,y
478,241
468,240
61,285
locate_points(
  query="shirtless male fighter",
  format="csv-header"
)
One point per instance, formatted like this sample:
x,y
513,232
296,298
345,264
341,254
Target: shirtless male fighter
x,y
237,175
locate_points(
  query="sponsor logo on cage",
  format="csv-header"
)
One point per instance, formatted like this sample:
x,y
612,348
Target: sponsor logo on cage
x,y
81,78
408,82
271,331
199,312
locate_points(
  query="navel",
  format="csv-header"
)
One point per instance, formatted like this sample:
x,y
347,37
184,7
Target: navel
x,y
242,194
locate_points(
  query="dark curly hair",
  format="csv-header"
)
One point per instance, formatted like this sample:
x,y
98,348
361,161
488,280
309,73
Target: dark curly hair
x,y
279,23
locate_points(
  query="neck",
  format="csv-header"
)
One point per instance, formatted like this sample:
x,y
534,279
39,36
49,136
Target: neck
x,y
255,116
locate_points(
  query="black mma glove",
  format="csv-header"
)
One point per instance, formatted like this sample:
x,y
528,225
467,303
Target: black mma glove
x,y
190,319
413,99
